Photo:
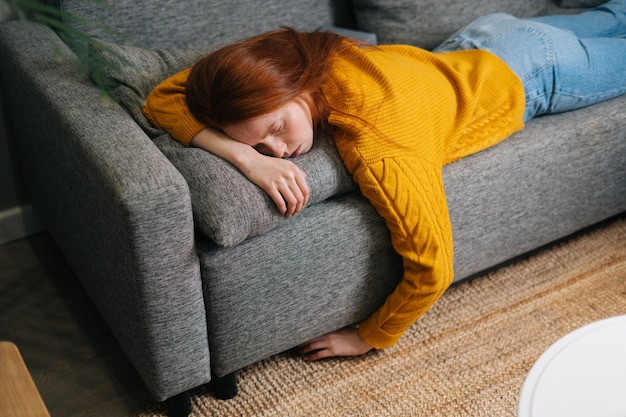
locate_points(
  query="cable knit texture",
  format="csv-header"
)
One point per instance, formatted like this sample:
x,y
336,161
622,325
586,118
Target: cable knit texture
x,y
400,113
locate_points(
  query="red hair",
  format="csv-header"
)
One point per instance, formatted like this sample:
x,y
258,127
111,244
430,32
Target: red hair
x,y
258,75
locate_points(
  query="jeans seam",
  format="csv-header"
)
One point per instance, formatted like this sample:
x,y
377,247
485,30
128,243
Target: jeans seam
x,y
595,97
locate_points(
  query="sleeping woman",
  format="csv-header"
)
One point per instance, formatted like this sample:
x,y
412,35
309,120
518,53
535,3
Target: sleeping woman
x,y
397,114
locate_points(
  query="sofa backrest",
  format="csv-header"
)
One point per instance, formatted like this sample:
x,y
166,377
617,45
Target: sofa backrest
x,y
198,23
427,23
193,23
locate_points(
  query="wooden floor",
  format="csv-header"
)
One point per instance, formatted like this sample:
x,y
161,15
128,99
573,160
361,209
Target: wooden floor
x,y
75,362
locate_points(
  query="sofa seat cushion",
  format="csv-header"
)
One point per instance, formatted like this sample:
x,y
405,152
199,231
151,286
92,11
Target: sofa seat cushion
x,y
227,207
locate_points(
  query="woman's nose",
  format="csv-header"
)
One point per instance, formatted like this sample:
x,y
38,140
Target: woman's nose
x,y
277,147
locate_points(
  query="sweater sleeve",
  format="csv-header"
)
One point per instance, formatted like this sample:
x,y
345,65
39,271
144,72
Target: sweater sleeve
x,y
167,109
400,113
408,193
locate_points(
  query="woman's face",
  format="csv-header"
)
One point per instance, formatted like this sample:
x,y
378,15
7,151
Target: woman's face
x,y
284,133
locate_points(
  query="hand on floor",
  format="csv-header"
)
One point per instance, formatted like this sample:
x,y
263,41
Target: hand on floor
x,y
344,342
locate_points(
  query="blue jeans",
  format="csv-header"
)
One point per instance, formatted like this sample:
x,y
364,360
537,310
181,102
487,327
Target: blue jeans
x,y
565,62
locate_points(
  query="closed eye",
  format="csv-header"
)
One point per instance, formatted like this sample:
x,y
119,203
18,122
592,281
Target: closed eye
x,y
277,129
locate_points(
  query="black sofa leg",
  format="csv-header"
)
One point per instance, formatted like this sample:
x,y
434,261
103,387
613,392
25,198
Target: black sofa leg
x,y
225,387
179,405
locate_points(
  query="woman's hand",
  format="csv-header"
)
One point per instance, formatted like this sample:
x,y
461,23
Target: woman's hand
x,y
344,342
282,180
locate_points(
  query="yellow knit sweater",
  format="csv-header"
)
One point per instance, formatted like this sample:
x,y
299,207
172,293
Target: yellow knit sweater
x,y
400,114
416,112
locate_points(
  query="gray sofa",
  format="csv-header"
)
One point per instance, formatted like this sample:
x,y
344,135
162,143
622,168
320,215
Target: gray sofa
x,y
190,265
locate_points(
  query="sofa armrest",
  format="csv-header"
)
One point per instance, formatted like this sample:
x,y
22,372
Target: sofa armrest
x,y
118,210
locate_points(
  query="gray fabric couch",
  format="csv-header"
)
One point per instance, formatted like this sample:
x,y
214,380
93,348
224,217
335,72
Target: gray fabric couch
x,y
190,265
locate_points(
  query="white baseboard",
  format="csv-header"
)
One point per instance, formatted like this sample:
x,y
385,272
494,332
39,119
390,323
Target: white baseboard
x,y
19,222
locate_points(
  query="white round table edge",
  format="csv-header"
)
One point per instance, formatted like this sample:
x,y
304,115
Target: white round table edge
x,y
527,393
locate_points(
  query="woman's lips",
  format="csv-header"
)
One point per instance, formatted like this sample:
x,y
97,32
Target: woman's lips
x,y
297,152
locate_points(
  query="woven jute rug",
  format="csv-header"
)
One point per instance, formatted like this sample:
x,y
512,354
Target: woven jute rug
x,y
468,356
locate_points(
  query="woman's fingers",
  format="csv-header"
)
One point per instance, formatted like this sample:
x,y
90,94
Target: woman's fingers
x,y
294,190
283,181
298,195
344,342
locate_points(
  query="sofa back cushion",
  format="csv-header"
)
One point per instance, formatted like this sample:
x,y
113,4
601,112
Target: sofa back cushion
x,y
175,23
580,3
427,23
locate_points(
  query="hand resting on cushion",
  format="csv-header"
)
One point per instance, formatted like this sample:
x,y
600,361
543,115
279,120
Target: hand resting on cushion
x,y
282,180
